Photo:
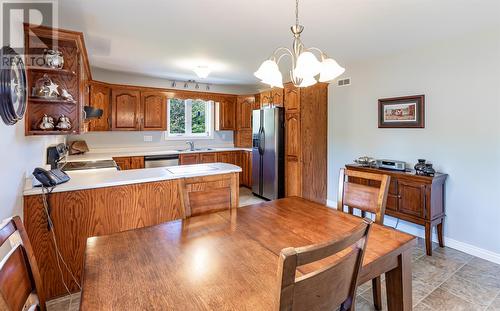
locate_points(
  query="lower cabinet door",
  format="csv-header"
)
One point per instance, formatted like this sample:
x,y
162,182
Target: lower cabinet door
x,y
190,158
411,198
123,163
136,163
293,177
208,157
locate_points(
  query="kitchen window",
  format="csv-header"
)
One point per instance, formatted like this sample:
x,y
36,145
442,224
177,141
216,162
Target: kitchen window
x,y
190,118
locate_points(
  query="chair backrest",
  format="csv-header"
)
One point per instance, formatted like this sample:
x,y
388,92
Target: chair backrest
x,y
208,194
331,285
20,280
366,198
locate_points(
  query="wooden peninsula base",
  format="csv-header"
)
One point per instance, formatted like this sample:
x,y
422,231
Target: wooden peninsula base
x,y
78,215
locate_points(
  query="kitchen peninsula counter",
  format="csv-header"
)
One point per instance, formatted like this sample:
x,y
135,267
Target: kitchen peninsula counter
x,y
96,203
100,178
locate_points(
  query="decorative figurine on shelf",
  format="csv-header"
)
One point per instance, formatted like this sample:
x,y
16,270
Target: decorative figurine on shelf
x,y
420,166
45,88
53,59
66,95
47,123
64,123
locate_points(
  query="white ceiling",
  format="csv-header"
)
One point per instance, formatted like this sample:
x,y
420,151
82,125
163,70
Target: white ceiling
x,y
167,38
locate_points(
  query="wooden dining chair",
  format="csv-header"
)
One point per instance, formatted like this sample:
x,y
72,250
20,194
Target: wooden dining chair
x,y
209,194
20,282
370,197
329,286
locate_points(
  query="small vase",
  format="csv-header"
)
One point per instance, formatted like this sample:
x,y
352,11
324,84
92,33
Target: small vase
x,y
420,166
429,170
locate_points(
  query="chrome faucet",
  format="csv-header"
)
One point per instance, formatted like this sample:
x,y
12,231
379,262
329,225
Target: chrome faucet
x,y
191,145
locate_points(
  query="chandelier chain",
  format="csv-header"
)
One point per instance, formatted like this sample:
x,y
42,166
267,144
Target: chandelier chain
x,y
296,12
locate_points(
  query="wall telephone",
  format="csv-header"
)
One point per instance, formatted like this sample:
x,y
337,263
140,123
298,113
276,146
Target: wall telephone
x,y
50,178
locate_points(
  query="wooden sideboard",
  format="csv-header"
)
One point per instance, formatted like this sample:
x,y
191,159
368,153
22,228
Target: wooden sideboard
x,y
413,198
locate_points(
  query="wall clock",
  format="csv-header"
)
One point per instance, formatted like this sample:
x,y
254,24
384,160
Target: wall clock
x,y
13,93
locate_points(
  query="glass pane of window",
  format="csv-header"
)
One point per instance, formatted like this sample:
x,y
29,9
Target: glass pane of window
x,y
177,116
198,115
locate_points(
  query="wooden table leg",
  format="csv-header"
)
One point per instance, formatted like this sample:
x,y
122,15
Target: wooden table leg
x,y
440,232
428,238
398,282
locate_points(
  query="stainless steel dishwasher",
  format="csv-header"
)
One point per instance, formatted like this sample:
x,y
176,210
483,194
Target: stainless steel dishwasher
x,y
163,160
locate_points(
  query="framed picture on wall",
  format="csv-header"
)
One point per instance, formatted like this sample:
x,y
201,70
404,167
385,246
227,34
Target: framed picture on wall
x,y
402,112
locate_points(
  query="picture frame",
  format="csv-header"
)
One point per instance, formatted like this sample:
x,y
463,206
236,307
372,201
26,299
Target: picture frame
x,y
402,112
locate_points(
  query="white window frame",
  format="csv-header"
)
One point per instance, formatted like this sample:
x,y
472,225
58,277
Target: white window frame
x,y
209,122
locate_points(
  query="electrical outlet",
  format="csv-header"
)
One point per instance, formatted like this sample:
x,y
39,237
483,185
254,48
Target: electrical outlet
x,y
148,138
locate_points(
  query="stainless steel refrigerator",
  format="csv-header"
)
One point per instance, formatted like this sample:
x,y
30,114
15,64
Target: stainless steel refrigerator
x,y
268,153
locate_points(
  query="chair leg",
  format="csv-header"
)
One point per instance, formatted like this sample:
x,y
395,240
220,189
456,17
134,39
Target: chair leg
x,y
377,293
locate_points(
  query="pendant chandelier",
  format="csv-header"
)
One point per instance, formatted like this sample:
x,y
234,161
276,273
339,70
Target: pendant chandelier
x,y
305,66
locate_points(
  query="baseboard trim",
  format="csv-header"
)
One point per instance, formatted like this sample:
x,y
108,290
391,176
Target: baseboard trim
x,y
449,242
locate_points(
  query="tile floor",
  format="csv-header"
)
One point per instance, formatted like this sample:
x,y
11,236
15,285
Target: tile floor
x,y
448,281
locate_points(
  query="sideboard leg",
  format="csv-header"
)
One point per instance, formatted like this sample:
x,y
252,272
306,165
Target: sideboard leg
x,y
440,232
428,238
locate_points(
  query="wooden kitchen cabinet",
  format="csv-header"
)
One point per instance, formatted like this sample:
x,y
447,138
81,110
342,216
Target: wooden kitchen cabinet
x,y
210,157
100,98
243,133
129,163
256,104
305,141
246,166
126,109
265,99
227,157
244,107
225,114
277,97
413,198
153,111
189,158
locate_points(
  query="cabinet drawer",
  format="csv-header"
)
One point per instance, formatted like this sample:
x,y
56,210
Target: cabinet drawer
x,y
191,158
393,185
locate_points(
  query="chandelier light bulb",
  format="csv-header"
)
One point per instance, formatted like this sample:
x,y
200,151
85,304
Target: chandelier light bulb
x,y
330,70
307,66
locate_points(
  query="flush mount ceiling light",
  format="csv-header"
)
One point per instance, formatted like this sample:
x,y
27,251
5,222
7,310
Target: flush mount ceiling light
x,y
305,66
202,71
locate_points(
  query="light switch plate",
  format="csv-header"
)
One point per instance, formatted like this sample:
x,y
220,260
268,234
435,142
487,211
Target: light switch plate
x,y
148,138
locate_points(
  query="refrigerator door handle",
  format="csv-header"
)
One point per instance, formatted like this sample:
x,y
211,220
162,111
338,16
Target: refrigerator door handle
x,y
262,141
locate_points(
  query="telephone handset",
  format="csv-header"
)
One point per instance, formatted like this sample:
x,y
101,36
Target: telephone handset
x,y
50,178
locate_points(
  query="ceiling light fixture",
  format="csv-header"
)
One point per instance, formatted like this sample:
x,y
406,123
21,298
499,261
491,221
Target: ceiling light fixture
x,y
202,71
305,66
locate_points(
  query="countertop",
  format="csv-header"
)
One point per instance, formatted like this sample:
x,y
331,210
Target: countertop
x,y
100,178
108,154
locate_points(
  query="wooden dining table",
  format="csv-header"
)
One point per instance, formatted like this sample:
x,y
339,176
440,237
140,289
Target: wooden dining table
x,y
228,260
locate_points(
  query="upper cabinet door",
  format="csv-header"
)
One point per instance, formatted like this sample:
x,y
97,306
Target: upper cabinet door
x,y
100,98
154,111
244,112
292,98
265,99
277,97
126,105
226,114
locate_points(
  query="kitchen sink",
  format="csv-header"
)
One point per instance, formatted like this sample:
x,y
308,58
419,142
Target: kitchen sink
x,y
191,169
196,149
